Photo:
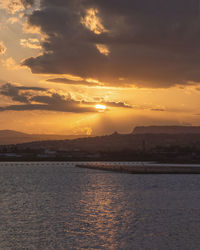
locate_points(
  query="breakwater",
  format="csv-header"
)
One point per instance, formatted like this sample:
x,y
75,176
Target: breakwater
x,y
145,169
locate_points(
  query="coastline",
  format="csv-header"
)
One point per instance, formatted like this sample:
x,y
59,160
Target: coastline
x,y
145,169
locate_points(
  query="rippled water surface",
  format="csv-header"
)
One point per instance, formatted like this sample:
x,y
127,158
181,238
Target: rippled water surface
x,y
58,206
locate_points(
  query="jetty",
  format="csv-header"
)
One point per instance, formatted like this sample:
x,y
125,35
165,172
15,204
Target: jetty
x,y
153,168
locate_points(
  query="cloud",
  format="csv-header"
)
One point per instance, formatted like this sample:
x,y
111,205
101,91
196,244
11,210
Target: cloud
x,y
10,63
58,108
103,49
2,48
32,43
14,6
36,98
16,93
92,21
147,43
13,20
89,82
74,82
117,104
28,3
158,109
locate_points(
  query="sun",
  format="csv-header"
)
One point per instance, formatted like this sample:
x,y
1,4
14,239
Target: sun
x,y
101,107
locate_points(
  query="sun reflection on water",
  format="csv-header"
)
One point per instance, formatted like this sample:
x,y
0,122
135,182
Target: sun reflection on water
x,y
102,215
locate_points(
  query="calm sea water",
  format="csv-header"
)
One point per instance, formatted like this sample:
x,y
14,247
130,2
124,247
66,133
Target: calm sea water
x,y
58,206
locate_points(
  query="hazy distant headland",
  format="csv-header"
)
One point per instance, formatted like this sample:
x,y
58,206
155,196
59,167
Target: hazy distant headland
x,y
8,137
153,143
14,137
167,130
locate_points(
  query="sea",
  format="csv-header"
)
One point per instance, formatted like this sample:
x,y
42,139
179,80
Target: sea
x,y
55,205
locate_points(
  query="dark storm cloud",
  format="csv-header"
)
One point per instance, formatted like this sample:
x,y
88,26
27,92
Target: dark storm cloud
x,y
152,43
34,98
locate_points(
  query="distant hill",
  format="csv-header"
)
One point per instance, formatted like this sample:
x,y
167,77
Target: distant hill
x,y
143,138
117,142
11,133
14,137
167,130
166,144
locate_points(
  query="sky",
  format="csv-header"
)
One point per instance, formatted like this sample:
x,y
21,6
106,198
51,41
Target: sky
x,y
97,66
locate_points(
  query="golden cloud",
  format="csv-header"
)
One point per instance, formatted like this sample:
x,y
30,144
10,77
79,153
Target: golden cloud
x,y
32,43
11,64
93,22
12,6
103,49
2,48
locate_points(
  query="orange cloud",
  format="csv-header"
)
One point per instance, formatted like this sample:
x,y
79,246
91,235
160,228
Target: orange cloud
x,y
32,43
2,48
11,64
93,22
103,49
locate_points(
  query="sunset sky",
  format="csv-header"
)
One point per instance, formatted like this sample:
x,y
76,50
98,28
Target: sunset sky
x,y
98,66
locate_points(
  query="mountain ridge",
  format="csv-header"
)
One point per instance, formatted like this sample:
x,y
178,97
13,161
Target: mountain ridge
x,y
166,130
8,137
16,137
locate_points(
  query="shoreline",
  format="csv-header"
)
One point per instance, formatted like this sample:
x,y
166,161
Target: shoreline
x,y
145,169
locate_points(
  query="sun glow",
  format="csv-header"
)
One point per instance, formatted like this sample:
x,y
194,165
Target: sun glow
x,y
101,107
